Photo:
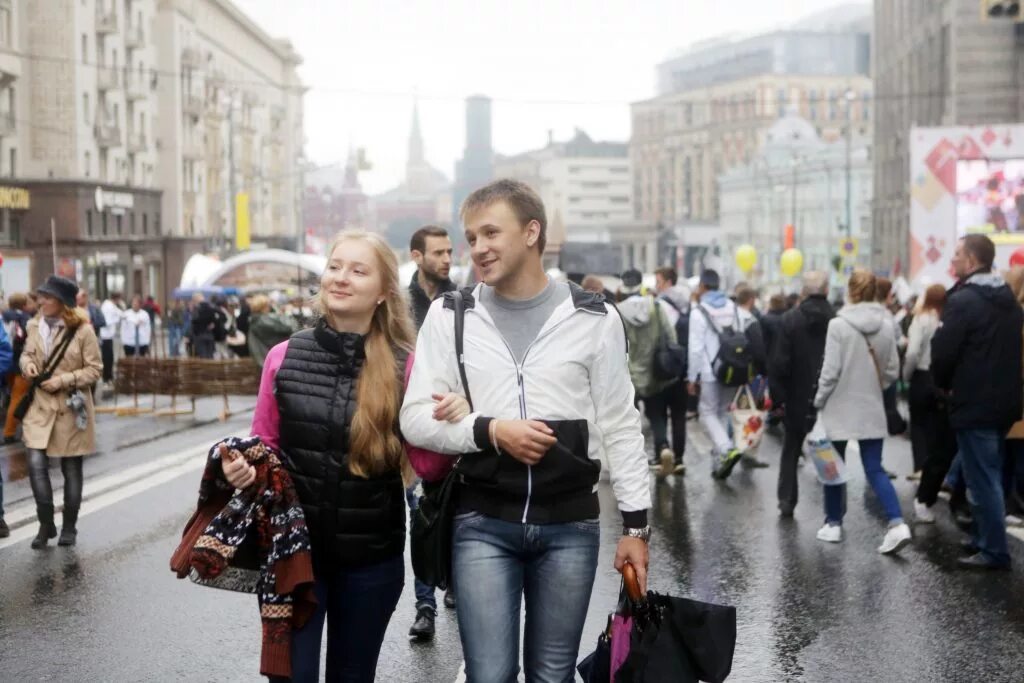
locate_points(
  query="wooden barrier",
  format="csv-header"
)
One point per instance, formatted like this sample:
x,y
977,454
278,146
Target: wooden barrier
x,y
191,377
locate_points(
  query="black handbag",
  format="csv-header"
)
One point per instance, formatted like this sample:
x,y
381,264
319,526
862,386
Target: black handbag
x,y
669,358
430,536
21,410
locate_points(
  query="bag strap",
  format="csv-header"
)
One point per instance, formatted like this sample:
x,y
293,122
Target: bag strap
x,y
656,314
58,355
711,322
460,320
874,358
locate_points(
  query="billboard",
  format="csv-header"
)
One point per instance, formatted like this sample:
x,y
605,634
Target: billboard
x,y
964,179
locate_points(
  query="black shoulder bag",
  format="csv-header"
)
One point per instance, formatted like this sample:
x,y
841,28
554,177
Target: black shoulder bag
x,y
430,535
51,366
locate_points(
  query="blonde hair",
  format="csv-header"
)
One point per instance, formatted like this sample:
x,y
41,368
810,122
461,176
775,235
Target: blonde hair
x,y
862,286
374,446
259,304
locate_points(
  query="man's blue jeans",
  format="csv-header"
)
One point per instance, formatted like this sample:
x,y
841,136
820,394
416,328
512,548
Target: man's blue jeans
x,y
981,455
871,458
495,563
174,336
424,593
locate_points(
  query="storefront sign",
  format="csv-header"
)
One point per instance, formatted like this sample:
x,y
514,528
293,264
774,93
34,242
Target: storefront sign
x,y
105,199
106,258
14,198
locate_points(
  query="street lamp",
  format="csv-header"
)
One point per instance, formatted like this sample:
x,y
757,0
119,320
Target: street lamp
x,y
850,96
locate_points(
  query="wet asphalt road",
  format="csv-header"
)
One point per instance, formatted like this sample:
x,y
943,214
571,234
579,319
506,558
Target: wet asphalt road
x,y
110,610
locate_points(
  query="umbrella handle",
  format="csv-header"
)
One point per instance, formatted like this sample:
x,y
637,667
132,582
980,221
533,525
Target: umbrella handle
x,y
631,583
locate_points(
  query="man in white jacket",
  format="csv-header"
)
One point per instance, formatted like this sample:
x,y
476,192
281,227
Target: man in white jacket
x,y
547,377
112,314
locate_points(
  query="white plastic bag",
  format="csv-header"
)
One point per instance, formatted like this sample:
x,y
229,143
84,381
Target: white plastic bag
x,y
748,421
818,447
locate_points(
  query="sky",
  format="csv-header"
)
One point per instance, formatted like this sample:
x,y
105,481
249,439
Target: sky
x,y
550,65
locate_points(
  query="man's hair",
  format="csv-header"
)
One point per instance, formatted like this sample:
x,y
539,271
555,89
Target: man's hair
x,y
520,197
17,301
710,280
981,249
668,274
745,295
777,302
592,283
419,238
815,282
883,286
115,295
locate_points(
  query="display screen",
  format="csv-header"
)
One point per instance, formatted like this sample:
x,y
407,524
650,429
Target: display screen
x,y
990,199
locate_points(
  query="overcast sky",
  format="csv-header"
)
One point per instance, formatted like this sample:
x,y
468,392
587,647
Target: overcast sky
x,y
548,64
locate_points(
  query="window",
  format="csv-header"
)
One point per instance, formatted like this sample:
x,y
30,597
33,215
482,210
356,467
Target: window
x,y
119,222
619,169
88,163
14,162
85,48
5,26
88,221
145,224
156,223
592,185
574,200
105,214
619,200
574,169
85,107
131,223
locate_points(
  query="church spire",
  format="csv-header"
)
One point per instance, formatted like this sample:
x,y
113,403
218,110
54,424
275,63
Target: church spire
x,y
415,158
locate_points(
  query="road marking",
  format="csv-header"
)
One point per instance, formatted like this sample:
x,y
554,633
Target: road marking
x,y
461,678
114,488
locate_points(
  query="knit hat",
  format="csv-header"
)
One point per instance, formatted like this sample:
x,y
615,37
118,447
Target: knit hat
x,y
60,288
631,280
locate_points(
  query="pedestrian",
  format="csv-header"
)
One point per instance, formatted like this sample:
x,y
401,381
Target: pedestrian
x,y
860,362
95,314
136,331
16,319
60,422
176,313
976,354
152,308
113,311
267,328
927,407
431,250
223,325
647,325
6,363
716,315
675,301
238,334
793,370
204,320
329,399
545,364
771,321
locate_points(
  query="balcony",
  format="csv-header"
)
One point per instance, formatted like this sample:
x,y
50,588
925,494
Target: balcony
x,y
106,21
137,142
190,58
192,150
135,86
192,105
133,37
107,78
108,134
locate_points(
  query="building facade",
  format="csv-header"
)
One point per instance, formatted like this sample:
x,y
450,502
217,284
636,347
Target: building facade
x,y
231,125
801,180
936,63
718,100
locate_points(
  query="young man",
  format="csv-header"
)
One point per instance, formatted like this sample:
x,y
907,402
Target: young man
x,y
431,250
112,313
976,354
545,365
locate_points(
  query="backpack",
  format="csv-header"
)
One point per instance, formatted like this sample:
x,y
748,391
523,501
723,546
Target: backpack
x,y
682,327
733,365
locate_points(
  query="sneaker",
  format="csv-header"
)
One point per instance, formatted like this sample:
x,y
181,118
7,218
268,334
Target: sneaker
x,y
727,463
923,514
667,458
423,627
8,440
449,599
896,539
830,533
5,531
752,462
679,469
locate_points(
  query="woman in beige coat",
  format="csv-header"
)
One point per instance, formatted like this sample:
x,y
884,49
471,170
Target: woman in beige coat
x,y
60,423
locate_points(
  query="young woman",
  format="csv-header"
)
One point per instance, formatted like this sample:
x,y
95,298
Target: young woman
x,y
861,361
136,329
329,401
60,423
931,437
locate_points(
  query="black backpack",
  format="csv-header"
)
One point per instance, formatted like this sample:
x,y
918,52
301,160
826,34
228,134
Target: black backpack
x,y
682,333
733,366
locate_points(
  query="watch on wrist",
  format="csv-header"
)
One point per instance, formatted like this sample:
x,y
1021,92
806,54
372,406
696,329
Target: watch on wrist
x,y
643,533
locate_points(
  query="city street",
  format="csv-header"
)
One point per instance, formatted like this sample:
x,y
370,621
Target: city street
x,y
109,609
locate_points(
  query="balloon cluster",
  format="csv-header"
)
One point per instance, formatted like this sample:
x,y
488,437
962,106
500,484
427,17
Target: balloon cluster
x,y
791,262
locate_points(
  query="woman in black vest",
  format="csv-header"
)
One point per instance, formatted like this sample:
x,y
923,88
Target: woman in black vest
x,y
329,401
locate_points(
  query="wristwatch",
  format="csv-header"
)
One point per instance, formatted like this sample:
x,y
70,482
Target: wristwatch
x,y
643,533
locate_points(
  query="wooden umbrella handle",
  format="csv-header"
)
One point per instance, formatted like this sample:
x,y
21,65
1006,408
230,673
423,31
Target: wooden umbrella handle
x,y
631,583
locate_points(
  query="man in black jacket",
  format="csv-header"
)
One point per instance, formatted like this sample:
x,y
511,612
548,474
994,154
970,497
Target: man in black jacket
x,y
795,362
976,353
431,249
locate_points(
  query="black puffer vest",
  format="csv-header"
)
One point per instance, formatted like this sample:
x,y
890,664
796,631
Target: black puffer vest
x,y
352,521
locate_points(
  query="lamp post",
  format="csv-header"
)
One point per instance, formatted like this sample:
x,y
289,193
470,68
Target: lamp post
x,y
850,97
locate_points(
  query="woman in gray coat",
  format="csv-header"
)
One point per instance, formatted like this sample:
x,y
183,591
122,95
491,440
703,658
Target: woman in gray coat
x,y
860,361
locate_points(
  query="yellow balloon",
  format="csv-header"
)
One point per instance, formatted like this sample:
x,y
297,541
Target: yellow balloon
x,y
792,262
746,257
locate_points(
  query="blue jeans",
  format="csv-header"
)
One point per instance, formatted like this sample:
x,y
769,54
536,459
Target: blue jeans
x,y
981,455
174,337
357,604
956,473
424,593
494,564
871,458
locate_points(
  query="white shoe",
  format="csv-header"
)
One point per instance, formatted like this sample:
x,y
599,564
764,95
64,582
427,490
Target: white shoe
x,y
830,533
667,464
896,539
923,513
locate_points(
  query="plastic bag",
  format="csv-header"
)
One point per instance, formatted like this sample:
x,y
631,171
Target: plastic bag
x,y
748,421
818,447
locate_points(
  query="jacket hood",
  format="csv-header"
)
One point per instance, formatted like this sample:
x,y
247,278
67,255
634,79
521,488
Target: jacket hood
x,y
817,311
678,297
993,288
636,310
715,299
866,317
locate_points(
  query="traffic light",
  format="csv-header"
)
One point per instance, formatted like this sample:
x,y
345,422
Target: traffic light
x,y
1001,9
